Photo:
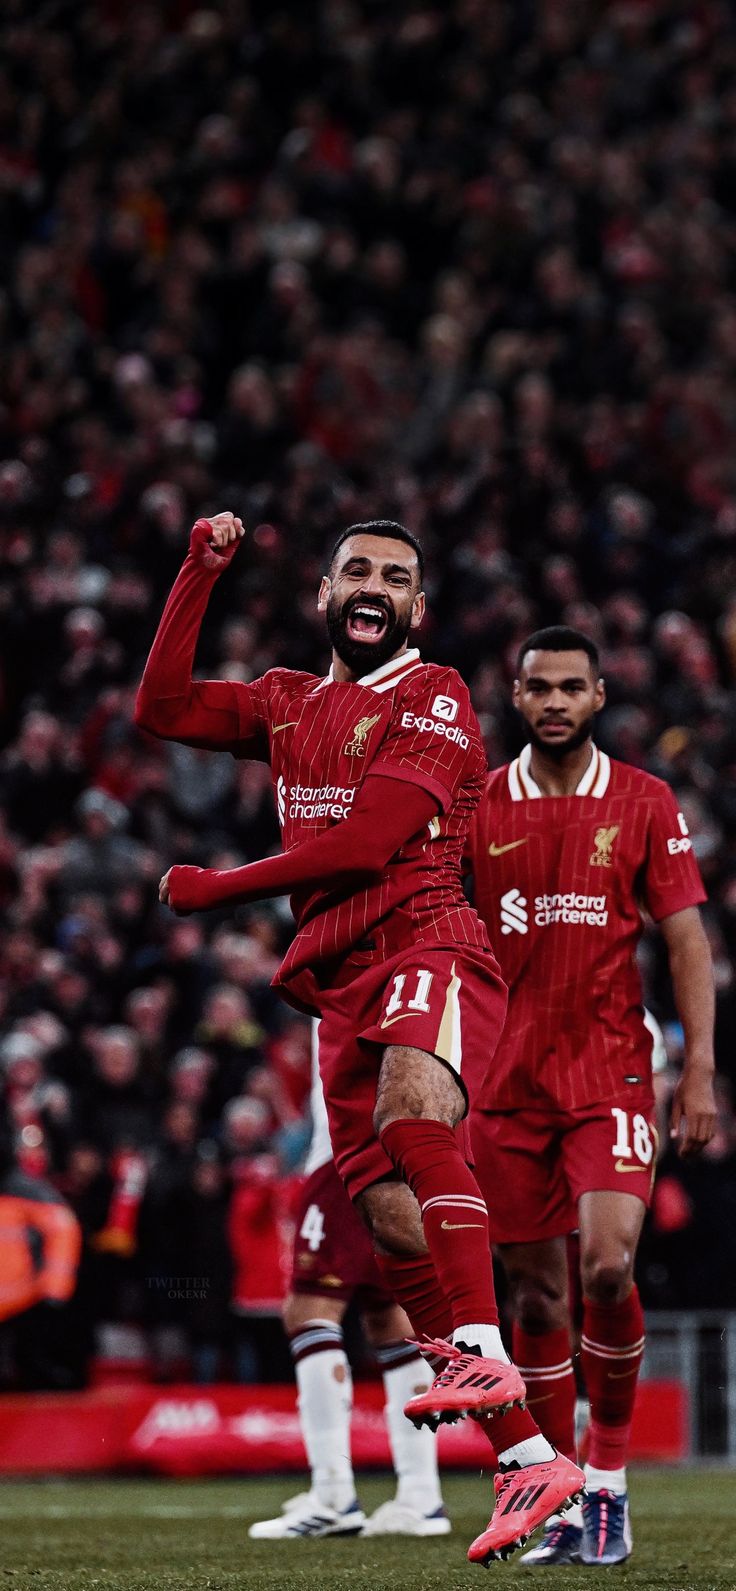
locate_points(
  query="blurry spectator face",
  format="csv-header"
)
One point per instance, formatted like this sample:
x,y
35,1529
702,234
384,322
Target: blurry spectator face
x,y
245,1121
208,1179
70,988
38,740
84,1164
239,640
371,599
129,901
22,1063
566,522
225,1009
241,959
560,580
46,1029
558,695
251,394
116,1057
83,628
180,1125
146,1011
191,1073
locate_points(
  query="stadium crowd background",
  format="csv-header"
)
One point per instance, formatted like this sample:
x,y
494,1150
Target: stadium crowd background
x,y
468,265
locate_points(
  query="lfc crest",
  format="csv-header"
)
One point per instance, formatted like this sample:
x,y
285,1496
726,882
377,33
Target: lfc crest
x,y
356,746
603,842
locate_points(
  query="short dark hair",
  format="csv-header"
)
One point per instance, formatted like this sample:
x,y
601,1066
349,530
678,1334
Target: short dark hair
x,y
559,638
390,529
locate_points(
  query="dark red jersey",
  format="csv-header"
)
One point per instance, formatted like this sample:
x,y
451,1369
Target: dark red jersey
x,y
408,720
561,883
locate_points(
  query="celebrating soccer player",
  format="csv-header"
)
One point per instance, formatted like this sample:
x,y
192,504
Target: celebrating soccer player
x,y
377,769
567,847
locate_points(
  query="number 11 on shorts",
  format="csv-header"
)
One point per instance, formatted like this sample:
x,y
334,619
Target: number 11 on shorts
x,y
420,998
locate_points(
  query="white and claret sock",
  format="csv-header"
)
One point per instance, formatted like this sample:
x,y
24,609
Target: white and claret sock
x,y
414,1452
325,1405
605,1480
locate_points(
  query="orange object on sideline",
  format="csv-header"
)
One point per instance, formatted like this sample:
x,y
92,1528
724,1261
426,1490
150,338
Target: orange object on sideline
x,y
40,1245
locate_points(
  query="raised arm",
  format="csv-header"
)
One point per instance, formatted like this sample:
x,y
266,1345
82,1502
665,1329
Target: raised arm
x,y
386,813
216,714
691,970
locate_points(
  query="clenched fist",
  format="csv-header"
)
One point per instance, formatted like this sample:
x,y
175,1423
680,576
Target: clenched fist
x,y
214,541
184,889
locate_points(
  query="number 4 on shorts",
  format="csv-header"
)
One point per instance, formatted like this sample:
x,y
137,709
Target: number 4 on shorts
x,y
313,1228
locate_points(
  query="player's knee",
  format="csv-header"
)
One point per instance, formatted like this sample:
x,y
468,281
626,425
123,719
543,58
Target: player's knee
x,y
606,1278
538,1307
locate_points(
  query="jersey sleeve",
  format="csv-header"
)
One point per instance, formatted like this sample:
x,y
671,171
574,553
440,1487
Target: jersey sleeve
x,y
671,875
433,738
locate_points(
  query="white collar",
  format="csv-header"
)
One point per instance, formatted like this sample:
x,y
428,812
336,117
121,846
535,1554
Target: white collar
x,y
595,780
384,678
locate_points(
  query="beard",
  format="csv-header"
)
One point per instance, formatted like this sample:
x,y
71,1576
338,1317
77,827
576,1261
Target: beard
x,y
362,657
556,750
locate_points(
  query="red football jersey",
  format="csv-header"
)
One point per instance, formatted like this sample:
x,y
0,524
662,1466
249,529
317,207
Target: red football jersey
x,y
407,719
560,882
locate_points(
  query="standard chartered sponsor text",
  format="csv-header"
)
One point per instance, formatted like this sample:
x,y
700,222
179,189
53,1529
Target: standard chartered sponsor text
x,y
570,908
320,801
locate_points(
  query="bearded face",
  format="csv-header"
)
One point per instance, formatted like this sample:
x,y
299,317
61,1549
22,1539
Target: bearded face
x,y
371,601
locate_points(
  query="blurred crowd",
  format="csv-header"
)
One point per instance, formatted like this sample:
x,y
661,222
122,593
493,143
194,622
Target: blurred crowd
x,y
472,266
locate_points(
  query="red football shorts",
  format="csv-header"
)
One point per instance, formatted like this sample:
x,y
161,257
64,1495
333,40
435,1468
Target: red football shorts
x,y
449,1002
333,1253
532,1167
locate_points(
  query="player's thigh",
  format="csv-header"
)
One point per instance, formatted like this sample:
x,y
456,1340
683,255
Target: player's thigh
x,y
517,1166
415,1085
333,1253
349,1072
610,1227
441,1014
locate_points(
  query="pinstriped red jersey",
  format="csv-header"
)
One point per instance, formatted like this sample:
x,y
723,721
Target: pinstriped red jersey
x,y
561,882
407,719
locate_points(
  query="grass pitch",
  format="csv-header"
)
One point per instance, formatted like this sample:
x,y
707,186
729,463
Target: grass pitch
x,y
191,1536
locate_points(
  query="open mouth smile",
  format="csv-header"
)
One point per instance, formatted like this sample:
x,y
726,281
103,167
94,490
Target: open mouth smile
x,y
366,621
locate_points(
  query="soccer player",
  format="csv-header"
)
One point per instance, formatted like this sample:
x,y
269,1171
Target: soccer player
x,y
333,1263
567,847
377,769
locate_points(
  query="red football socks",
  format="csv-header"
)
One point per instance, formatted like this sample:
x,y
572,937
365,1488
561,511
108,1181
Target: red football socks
x,y
612,1348
544,1361
412,1279
454,1216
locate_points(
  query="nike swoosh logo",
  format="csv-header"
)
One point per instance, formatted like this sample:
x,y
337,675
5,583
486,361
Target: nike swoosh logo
x,y
545,1398
277,728
388,1021
460,1226
621,1165
500,850
618,1375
